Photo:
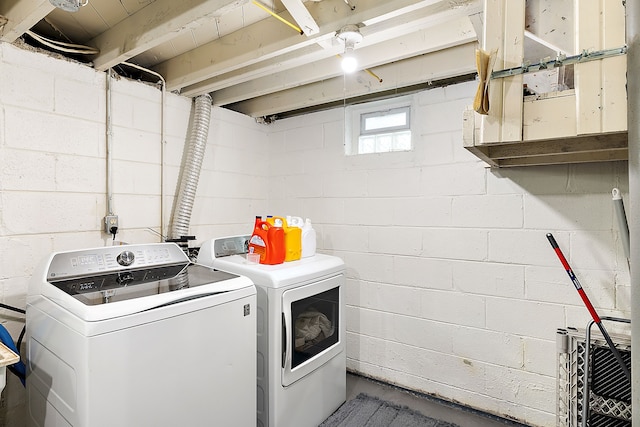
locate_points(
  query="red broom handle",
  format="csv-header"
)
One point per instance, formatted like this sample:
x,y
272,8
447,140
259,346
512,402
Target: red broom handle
x,y
589,306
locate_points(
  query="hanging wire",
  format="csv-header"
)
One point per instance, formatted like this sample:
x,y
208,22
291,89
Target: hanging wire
x,y
8,307
64,47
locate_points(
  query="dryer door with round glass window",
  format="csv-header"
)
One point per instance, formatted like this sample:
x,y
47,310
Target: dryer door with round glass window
x,y
312,328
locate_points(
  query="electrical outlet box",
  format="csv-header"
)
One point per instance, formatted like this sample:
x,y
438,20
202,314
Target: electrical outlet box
x,y
110,221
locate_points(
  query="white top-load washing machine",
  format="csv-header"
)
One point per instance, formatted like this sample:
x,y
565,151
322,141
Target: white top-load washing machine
x,y
137,335
301,332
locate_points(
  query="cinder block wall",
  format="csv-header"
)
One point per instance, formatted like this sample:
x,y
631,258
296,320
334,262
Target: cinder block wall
x,y
453,288
53,172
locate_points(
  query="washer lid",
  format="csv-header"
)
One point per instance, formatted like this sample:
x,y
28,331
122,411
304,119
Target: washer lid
x,y
100,298
97,284
132,284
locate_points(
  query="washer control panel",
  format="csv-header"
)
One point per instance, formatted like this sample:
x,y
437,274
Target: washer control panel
x,y
113,258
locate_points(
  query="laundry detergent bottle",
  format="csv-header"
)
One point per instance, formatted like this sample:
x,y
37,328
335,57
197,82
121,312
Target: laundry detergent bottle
x,y
292,238
307,235
267,241
308,239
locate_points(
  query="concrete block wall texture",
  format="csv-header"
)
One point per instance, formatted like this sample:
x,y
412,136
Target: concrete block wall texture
x,y
53,172
452,286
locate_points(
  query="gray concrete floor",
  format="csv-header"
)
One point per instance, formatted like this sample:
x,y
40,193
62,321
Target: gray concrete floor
x,y
431,407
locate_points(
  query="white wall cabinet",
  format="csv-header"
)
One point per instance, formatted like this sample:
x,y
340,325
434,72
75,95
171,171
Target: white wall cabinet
x,y
574,113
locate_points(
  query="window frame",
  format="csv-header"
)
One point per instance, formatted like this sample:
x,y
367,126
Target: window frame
x,y
355,116
382,113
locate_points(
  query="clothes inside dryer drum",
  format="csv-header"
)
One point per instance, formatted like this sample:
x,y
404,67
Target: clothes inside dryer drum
x,y
310,326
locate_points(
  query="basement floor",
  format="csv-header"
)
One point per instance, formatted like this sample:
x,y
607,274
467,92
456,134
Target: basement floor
x,y
432,407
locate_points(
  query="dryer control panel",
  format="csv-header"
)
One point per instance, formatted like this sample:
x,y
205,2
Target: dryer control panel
x,y
234,245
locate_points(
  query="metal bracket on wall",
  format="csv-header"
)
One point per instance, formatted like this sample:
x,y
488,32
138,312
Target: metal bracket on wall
x,y
560,60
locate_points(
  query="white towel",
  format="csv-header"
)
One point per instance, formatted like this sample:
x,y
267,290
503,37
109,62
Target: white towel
x,y
310,324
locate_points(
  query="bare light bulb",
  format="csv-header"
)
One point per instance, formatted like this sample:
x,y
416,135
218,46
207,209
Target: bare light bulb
x,y
350,36
349,62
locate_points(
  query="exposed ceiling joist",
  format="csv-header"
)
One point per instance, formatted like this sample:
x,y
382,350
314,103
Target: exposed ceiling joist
x,y
444,64
447,34
21,15
260,57
302,16
153,25
410,27
300,58
265,39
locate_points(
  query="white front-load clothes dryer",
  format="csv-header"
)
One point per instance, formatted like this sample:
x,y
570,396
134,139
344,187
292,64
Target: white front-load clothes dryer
x,y
300,333
137,335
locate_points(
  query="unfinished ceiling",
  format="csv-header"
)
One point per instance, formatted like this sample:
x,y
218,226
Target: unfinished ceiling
x,y
263,58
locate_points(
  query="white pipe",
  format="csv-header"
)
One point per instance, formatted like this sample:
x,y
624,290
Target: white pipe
x,y
162,141
109,147
623,225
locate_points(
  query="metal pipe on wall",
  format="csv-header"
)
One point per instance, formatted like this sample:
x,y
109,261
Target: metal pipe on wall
x,y
633,126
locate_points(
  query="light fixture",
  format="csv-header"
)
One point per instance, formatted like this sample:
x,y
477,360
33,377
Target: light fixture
x,y
350,35
69,5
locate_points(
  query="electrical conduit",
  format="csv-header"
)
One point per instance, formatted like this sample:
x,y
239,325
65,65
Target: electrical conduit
x,y
163,90
191,172
109,146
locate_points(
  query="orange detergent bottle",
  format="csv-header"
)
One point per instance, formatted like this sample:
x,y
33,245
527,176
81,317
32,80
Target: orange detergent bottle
x,y
267,240
292,238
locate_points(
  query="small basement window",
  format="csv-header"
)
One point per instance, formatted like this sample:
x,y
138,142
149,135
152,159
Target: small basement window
x,y
379,127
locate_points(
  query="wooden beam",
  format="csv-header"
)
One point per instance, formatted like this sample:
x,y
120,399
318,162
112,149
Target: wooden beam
x,y
566,158
445,35
153,25
469,136
582,144
438,65
21,15
269,39
578,149
298,10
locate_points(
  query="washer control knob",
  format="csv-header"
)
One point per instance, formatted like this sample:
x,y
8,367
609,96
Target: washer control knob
x,y
125,258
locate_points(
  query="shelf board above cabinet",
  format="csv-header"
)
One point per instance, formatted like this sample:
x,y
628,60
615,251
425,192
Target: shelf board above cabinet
x,y
573,149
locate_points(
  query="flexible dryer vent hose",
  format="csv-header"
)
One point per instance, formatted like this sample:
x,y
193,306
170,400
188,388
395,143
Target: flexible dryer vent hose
x,y
192,165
